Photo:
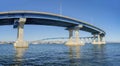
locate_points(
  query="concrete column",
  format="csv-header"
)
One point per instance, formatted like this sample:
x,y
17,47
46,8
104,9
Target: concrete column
x,y
102,40
99,40
70,40
94,38
77,39
20,42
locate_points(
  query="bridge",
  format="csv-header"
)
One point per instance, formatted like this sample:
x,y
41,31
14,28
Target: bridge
x,y
20,18
63,39
67,38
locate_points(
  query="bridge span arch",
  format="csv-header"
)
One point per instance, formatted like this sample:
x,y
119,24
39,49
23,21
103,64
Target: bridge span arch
x,y
19,18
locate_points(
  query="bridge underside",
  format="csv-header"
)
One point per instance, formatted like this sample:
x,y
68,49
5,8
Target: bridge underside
x,y
48,22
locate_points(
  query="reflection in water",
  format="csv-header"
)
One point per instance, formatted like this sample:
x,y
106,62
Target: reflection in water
x,y
74,51
19,56
74,54
77,51
100,49
97,53
60,55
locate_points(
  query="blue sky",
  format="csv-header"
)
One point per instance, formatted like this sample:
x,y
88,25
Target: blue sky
x,y
104,14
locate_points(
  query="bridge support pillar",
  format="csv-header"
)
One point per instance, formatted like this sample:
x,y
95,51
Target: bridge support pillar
x,y
77,39
70,40
94,39
99,40
20,42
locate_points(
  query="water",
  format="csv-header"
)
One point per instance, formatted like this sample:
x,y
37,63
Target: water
x,y
60,55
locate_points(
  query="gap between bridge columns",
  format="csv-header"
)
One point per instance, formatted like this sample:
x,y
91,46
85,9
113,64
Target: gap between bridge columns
x,y
20,42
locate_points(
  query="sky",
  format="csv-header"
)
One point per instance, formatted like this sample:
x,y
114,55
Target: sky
x,y
104,14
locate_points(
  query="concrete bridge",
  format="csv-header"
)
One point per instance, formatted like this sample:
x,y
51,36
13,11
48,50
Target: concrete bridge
x,y
83,39
68,38
19,18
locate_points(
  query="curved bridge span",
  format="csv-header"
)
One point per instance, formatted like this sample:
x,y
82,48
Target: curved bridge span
x,y
19,18
62,40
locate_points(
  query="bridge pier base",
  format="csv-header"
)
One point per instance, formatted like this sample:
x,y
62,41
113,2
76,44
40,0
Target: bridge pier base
x,y
20,42
99,40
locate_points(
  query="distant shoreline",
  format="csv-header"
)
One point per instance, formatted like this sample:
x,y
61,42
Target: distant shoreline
x,y
61,43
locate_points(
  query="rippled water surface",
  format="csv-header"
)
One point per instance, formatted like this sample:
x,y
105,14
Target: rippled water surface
x,y
60,55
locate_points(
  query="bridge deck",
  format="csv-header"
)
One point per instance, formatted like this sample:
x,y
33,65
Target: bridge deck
x,y
41,18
